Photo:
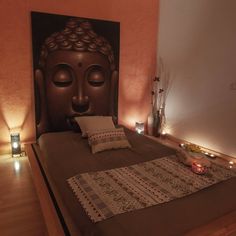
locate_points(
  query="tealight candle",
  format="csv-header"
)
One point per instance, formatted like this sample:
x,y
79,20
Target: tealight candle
x,y
231,162
163,132
198,168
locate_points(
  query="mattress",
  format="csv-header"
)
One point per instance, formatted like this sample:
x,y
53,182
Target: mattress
x,y
66,154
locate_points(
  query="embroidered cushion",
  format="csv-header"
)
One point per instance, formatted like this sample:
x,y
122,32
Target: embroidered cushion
x,y
108,139
94,123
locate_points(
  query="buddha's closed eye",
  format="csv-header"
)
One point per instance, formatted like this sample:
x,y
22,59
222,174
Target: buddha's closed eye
x,y
95,76
63,76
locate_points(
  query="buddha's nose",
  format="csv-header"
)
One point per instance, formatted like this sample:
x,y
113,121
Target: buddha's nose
x,y
80,102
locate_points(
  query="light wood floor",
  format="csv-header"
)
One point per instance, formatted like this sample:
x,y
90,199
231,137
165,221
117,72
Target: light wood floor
x,y
20,212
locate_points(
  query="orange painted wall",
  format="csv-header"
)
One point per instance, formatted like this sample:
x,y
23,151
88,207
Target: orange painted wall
x,y
138,40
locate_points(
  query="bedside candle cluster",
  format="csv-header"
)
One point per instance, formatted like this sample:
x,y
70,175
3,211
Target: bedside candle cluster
x,y
209,154
198,149
231,163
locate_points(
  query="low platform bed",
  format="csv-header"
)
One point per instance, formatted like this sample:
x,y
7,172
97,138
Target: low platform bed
x,y
176,217
76,78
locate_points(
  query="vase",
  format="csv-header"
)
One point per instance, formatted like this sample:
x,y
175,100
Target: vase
x,y
150,120
156,124
153,124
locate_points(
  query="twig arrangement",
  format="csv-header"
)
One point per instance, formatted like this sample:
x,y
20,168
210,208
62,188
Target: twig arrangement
x,y
161,87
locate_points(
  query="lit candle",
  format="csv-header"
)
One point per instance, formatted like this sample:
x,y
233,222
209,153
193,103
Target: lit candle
x,y
198,168
163,132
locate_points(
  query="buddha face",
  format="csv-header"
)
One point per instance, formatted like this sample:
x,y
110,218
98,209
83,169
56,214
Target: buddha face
x,y
76,76
77,83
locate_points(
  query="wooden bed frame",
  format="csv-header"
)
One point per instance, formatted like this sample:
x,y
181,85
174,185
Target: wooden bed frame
x,y
56,217
225,225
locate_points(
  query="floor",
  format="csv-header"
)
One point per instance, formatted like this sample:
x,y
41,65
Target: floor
x,y
20,212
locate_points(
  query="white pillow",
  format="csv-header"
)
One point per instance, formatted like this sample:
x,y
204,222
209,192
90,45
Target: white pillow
x,y
94,123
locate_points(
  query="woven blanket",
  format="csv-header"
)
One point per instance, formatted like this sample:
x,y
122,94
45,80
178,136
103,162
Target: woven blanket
x,y
104,194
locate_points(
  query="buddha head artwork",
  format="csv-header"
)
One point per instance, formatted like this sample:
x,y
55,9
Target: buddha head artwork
x,y
76,75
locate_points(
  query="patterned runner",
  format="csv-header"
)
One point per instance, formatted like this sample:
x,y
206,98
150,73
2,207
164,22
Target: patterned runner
x,y
104,194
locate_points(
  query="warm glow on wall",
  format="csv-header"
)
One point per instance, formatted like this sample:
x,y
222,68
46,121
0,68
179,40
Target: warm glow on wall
x,y
202,141
166,130
136,100
14,117
14,120
130,121
133,117
137,59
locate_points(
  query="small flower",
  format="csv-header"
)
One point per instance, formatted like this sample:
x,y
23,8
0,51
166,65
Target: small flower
x,y
156,79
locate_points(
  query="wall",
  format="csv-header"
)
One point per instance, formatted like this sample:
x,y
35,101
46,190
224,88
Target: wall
x,y
197,42
137,57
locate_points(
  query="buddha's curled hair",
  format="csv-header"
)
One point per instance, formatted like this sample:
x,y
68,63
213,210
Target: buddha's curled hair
x,y
78,35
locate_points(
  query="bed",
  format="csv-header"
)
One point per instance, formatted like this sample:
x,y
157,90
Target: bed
x,y
61,95
177,217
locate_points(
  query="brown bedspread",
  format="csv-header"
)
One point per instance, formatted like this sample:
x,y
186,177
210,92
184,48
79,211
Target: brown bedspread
x,y
67,154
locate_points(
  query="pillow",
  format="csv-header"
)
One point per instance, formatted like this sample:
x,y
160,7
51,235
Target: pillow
x,y
108,139
94,123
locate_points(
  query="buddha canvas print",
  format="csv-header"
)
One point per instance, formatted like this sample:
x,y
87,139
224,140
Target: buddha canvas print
x,y
76,67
